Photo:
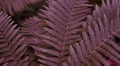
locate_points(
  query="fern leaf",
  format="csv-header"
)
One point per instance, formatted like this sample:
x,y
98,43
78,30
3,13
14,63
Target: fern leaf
x,y
98,39
31,29
63,18
12,47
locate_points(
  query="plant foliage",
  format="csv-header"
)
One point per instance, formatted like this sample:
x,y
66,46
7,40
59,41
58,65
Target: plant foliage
x,y
98,40
60,33
12,47
13,6
63,29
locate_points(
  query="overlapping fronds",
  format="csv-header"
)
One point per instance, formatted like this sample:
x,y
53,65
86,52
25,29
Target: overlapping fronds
x,y
62,33
31,29
98,43
12,47
63,18
13,6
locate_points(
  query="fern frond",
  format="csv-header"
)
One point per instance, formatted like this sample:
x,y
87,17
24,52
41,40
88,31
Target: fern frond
x,y
14,6
63,18
31,29
98,40
12,47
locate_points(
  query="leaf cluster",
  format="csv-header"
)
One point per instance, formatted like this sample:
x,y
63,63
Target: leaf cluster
x,y
60,33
